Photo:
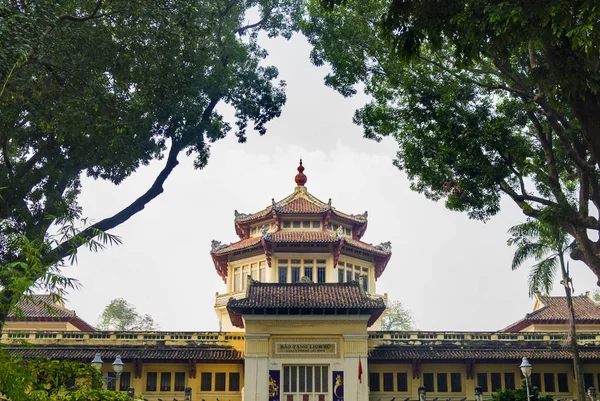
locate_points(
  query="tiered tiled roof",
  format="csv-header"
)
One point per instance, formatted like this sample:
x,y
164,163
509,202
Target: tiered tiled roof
x,y
503,352
207,353
553,310
300,202
41,307
319,298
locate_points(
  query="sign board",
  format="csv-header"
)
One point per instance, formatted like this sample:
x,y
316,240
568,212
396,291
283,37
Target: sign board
x,y
321,348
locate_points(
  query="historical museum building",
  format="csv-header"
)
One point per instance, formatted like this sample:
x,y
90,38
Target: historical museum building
x,y
299,321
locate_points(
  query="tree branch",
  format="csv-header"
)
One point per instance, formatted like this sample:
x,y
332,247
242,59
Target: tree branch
x,y
93,15
69,247
256,24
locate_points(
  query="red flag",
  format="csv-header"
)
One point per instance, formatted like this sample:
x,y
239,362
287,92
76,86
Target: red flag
x,y
359,370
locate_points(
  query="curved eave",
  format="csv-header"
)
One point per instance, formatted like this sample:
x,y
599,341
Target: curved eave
x,y
236,314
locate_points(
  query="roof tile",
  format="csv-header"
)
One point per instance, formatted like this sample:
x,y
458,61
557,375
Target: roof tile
x,y
39,306
302,206
213,353
306,296
517,353
557,308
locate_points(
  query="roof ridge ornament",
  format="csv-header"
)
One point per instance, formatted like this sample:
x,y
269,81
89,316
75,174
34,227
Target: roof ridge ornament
x,y
385,246
217,246
300,177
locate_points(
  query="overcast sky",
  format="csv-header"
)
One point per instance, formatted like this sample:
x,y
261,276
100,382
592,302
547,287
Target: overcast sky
x,y
452,273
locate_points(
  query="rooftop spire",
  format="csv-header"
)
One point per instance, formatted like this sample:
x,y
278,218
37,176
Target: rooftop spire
x,y
300,177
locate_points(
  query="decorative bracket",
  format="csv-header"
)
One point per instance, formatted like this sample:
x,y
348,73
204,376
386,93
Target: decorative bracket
x,y
416,368
337,249
137,369
267,248
326,219
192,364
470,369
277,221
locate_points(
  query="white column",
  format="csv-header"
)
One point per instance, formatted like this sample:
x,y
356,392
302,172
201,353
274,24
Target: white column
x,y
256,368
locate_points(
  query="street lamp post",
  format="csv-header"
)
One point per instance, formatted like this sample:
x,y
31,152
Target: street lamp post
x,y
117,367
478,393
526,370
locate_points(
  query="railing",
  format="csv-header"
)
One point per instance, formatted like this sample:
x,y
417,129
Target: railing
x,y
104,337
222,299
424,337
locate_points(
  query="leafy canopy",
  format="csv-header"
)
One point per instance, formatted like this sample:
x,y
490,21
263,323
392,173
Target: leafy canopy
x,y
485,99
52,380
103,87
120,315
397,318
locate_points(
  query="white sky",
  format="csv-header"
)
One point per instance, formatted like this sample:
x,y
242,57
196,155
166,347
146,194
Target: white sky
x,y
450,272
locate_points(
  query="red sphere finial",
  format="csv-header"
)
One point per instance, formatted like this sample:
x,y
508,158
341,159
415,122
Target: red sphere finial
x,y
300,177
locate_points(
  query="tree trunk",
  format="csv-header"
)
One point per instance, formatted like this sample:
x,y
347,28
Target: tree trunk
x,y
578,374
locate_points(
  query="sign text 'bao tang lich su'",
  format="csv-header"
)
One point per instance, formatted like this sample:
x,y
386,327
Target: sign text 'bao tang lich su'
x,y
305,348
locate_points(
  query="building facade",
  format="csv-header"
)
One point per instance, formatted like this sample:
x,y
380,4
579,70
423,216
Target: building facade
x,y
300,319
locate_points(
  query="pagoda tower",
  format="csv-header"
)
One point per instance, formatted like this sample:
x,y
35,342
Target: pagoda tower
x,y
301,286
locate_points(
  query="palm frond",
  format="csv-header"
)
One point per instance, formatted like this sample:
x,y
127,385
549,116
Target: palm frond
x,y
542,274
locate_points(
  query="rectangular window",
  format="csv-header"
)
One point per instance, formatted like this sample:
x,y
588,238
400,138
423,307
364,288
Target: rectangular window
x,y
428,382
302,379
234,381
320,274
340,275
482,381
308,272
179,381
206,381
237,279
112,384
509,381
165,381
496,379
563,383
374,382
306,224
219,381
402,381
442,382
588,380
296,224
549,383
365,275
283,274
305,379
286,379
286,224
388,382
245,274
125,381
348,275
309,379
295,274
263,271
254,271
536,380
455,383
151,378
316,224
294,378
